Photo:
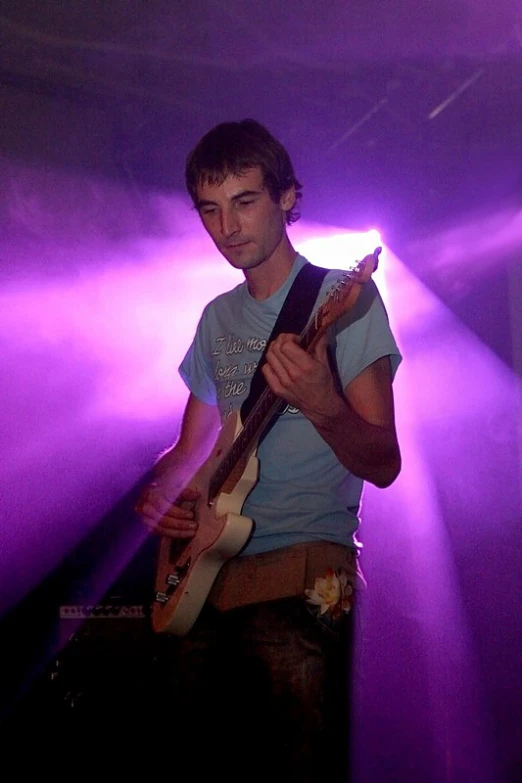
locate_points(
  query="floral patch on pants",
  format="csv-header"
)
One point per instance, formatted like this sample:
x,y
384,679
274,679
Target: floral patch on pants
x,y
332,596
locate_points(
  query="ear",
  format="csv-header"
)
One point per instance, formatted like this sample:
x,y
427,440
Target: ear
x,y
288,199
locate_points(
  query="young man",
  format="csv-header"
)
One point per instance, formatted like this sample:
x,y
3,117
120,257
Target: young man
x,y
277,661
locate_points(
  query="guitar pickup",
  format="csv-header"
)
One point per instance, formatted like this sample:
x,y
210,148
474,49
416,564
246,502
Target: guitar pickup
x,y
172,581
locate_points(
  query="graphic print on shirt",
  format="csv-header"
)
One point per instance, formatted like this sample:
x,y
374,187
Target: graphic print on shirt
x,y
235,362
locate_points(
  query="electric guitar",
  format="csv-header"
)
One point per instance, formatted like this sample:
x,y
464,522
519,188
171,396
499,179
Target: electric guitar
x,y
186,570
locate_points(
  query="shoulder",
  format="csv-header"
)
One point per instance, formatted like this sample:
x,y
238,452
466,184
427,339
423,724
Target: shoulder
x,y
223,302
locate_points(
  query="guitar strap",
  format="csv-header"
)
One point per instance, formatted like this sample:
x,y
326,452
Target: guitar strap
x,y
292,318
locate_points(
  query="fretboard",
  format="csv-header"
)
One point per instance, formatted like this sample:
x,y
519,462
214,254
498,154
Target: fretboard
x,y
256,422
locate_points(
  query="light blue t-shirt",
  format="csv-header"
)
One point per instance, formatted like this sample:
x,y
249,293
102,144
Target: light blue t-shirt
x,y
303,492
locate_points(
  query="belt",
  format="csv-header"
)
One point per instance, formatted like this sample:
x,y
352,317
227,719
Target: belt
x,y
280,573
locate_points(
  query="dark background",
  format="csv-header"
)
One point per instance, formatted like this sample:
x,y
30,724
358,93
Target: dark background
x,y
402,115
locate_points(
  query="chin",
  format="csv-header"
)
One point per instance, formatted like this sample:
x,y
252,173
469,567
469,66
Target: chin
x,y
244,263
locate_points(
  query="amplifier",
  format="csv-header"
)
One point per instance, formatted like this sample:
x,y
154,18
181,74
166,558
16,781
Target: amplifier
x,y
102,612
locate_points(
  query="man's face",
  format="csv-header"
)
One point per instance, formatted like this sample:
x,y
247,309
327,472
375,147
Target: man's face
x,y
245,224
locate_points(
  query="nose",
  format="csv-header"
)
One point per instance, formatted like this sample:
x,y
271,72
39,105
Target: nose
x,y
229,223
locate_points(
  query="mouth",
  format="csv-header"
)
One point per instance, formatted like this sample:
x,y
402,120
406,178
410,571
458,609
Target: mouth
x,y
235,245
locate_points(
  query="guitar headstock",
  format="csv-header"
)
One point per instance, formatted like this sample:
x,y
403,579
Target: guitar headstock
x,y
345,292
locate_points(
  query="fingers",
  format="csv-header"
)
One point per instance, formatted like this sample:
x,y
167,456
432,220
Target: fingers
x,y
321,349
286,358
287,363
304,379
278,369
171,528
287,351
163,517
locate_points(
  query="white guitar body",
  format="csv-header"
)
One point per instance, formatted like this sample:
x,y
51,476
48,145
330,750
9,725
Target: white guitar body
x,y
187,570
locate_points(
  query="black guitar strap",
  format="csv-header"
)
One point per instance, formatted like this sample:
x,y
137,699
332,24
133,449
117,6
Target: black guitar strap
x,y
292,318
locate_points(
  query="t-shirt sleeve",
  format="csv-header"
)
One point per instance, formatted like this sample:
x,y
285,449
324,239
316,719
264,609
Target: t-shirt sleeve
x,y
364,335
196,368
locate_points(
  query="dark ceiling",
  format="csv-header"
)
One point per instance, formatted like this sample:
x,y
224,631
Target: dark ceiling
x,y
398,112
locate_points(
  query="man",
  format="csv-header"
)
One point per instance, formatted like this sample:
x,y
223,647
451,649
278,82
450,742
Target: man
x,y
278,662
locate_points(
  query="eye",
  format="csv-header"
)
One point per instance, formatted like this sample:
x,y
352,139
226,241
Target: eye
x,y
244,202
207,210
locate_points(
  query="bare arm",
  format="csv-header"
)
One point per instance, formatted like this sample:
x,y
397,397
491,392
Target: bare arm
x,y
174,469
359,426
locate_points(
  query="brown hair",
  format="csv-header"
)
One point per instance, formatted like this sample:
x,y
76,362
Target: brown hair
x,y
231,148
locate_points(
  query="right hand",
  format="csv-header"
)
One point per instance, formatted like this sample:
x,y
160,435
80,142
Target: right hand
x,y
165,517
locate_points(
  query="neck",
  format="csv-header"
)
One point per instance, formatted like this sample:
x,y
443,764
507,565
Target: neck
x,y
267,278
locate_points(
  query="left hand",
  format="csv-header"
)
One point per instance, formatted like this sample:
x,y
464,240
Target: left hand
x,y
303,379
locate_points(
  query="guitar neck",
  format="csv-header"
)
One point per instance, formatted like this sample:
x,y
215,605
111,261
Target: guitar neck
x,y
342,296
257,421
255,424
